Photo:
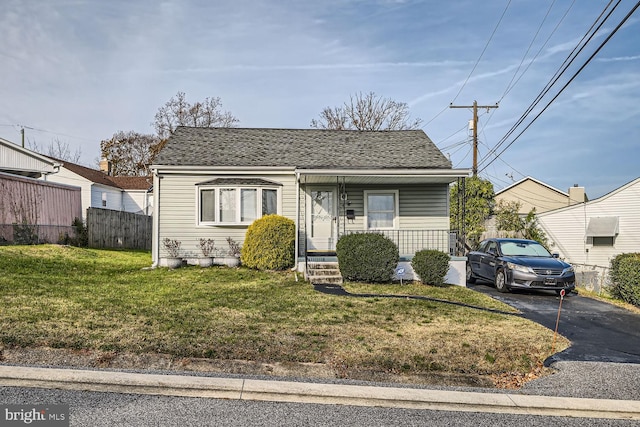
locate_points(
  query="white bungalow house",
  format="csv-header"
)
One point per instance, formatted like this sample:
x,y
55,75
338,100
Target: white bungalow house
x,y
99,190
214,182
590,234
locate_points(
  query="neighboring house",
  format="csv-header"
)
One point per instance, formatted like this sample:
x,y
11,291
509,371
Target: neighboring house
x,y
99,190
214,182
17,160
33,210
590,234
531,193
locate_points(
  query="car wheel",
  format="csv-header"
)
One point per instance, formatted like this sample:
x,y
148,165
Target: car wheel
x,y
501,281
470,277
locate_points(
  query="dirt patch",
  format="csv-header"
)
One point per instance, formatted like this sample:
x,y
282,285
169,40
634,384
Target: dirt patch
x,y
55,357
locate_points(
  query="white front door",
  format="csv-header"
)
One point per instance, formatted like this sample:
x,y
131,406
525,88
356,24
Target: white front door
x,y
321,219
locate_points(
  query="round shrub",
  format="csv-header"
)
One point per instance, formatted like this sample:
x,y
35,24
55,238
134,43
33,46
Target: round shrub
x,y
625,278
431,265
367,257
269,243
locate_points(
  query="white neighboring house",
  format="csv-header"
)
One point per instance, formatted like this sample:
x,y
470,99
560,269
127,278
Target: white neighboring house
x,y
99,190
590,234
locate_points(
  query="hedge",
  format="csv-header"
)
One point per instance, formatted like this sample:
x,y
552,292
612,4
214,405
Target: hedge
x,y
367,257
625,278
431,265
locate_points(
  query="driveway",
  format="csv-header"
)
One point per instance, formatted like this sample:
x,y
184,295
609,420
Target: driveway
x,y
599,332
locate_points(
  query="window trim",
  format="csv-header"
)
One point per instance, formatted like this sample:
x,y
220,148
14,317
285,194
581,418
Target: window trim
x,y
396,214
238,203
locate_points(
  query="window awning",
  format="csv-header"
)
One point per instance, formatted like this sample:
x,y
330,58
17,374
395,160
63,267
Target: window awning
x,y
257,182
605,226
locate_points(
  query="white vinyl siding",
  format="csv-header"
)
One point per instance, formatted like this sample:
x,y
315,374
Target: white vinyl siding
x,y
101,194
567,227
178,210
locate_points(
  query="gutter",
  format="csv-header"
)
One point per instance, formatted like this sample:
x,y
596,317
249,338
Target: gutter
x,y
297,238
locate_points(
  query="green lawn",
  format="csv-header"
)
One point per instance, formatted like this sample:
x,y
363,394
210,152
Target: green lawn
x,y
67,297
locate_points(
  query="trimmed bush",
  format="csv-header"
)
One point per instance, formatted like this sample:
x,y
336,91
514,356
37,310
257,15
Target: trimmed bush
x,y
431,265
625,278
367,257
269,243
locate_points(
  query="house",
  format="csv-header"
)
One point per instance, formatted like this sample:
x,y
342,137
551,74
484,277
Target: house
x,y
590,234
531,193
214,182
99,190
33,210
17,160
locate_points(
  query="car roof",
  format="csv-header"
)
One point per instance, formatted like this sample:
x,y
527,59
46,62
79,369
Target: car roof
x,y
503,239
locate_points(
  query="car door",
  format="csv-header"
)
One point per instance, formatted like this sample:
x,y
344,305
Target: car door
x,y
488,260
474,258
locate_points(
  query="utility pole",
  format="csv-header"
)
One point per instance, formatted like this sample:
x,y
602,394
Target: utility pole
x,y
22,132
475,107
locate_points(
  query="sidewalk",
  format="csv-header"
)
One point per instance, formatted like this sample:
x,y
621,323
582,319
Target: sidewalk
x,y
300,392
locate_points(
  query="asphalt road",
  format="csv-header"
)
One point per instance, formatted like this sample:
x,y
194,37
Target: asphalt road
x,y
116,409
598,331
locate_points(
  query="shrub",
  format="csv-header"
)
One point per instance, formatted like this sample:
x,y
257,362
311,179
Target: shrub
x,y
367,257
431,265
269,243
82,234
625,278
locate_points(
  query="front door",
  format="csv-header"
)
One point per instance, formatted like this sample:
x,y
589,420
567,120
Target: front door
x,y
321,219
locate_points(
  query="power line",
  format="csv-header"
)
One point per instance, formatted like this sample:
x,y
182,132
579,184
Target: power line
x,y
615,30
510,86
482,53
556,77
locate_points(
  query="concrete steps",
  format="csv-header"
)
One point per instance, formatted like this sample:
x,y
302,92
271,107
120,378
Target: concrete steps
x,y
324,273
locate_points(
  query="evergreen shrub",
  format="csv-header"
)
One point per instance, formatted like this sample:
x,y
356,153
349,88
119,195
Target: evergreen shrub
x,y
431,265
367,257
625,278
269,244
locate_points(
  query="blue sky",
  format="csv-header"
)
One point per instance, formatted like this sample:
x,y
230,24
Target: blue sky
x,y
79,71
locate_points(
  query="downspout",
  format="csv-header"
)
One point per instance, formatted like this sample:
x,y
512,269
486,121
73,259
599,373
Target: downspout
x,y
155,236
297,244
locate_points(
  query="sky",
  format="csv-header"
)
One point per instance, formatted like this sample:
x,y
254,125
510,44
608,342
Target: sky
x,y
78,71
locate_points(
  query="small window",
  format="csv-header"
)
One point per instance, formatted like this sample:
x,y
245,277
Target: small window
x,y
381,210
269,202
104,200
603,241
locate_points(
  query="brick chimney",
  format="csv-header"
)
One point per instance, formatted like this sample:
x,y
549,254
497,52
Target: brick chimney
x,y
105,166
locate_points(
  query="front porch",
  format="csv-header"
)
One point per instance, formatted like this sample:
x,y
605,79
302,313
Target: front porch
x,y
321,266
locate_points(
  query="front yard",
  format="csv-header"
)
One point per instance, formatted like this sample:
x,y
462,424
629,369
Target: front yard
x,y
105,301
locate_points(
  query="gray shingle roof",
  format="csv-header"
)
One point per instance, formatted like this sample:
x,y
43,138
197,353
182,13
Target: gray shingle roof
x,y
301,148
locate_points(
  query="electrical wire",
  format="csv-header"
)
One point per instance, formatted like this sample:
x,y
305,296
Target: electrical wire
x,y
613,32
564,66
568,61
482,53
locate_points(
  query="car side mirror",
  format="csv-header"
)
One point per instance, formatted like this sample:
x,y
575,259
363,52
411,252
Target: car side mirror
x,y
555,255
493,251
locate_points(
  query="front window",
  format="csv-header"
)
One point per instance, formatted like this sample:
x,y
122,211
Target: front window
x,y
381,209
235,205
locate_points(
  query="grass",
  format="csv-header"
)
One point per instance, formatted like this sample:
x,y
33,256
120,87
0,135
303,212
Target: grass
x,y
73,298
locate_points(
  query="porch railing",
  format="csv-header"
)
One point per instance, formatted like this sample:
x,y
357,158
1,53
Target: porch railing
x,y
411,241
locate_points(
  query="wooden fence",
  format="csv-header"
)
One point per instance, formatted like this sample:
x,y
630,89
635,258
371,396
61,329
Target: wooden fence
x,y
116,229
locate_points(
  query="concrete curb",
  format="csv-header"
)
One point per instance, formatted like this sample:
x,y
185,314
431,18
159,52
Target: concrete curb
x,y
300,392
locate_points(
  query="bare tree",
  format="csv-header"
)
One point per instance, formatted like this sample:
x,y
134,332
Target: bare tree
x,y
58,150
367,112
178,112
130,153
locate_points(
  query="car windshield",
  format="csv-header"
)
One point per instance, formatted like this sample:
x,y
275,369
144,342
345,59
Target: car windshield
x,y
523,249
